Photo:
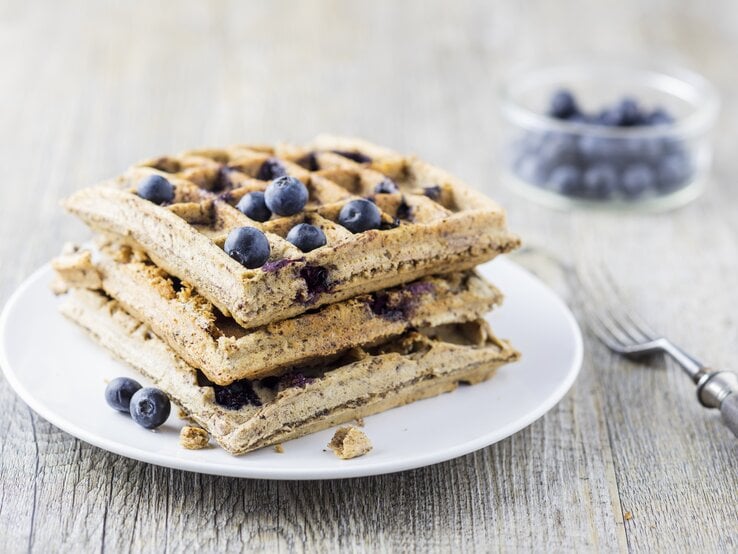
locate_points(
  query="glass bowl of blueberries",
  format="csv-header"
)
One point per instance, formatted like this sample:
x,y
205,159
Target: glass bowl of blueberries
x,y
608,135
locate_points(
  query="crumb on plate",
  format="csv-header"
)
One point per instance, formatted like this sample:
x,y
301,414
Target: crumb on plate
x,y
279,449
349,442
193,438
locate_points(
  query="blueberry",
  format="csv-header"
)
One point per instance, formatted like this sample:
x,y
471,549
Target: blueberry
x,y
306,237
579,118
119,391
286,196
659,116
637,179
156,189
594,148
272,168
386,186
644,149
603,117
557,148
674,146
630,112
564,179
562,104
599,181
625,113
150,407
610,117
248,246
531,169
252,205
360,215
673,172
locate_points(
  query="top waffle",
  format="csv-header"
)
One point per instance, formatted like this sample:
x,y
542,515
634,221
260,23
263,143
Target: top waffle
x,y
434,224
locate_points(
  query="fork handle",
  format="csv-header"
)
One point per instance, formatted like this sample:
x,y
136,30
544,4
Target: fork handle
x,y
719,389
729,410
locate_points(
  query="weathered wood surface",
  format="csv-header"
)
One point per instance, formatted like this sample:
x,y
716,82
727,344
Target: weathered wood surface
x,y
89,87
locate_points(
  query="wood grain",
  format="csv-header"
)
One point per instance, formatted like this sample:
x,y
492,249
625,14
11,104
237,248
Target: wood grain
x,y
90,87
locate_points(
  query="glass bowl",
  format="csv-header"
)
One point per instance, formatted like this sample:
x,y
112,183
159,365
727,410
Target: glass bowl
x,y
657,163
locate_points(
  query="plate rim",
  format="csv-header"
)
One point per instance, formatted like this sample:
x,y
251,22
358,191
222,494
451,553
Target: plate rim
x,y
265,472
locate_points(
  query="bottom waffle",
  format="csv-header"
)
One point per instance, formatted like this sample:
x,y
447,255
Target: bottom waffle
x,y
248,415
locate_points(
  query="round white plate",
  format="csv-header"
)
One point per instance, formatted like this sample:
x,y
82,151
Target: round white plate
x,y
61,374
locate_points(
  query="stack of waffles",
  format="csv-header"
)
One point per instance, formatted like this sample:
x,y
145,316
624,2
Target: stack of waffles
x,y
367,322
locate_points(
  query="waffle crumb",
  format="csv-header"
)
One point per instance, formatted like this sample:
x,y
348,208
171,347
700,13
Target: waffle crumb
x,y
182,414
193,438
279,449
349,442
627,516
74,268
360,421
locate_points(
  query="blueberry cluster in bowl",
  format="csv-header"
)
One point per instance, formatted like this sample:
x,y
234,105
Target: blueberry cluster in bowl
x,y
588,162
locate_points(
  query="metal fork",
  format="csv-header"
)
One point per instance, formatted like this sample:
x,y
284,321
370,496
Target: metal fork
x,y
623,331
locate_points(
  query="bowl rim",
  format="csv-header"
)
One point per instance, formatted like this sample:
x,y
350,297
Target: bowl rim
x,y
696,90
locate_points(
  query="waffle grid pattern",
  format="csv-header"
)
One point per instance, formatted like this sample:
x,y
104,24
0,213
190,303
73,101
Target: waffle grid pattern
x,y
209,184
433,224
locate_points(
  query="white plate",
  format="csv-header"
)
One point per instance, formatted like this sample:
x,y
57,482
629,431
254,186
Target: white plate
x,y
60,373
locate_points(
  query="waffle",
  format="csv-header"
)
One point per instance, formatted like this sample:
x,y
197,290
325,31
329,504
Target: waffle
x,y
252,414
225,352
434,224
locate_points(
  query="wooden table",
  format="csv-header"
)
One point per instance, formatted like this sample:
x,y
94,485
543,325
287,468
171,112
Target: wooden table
x,y
89,87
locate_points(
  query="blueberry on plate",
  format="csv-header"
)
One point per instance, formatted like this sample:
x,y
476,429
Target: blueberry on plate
x,y
386,186
248,246
286,196
360,215
119,391
156,189
564,179
599,181
637,179
150,407
562,104
306,237
252,205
